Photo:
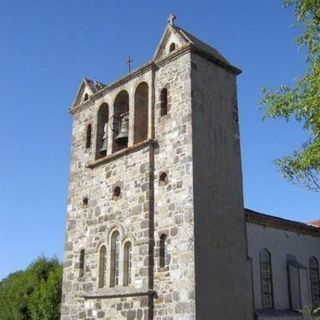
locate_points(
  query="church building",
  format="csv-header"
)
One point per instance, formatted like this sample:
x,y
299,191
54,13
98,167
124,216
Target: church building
x,y
156,226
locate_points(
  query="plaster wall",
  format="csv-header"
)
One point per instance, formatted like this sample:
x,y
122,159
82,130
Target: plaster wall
x,y
223,286
280,243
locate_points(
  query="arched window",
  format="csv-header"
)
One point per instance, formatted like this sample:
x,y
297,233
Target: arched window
x,y
120,123
172,47
102,131
141,99
115,256
88,136
81,263
163,178
266,279
164,102
314,281
86,97
127,270
102,266
163,251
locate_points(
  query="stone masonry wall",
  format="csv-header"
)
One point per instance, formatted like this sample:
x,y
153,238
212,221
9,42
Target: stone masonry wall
x,y
174,284
91,225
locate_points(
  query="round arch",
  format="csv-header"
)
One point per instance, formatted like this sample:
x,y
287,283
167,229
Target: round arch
x,y
141,108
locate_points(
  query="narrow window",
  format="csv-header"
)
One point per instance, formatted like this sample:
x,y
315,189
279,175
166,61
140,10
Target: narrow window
x,y
88,136
116,192
81,264
102,266
115,253
85,201
86,97
314,281
172,47
127,264
163,250
266,279
164,102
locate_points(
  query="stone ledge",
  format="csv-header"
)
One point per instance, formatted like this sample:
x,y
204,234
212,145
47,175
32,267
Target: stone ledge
x,y
117,294
278,315
118,154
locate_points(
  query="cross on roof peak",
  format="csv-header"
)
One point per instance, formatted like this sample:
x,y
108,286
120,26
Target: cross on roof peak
x,y
129,62
171,19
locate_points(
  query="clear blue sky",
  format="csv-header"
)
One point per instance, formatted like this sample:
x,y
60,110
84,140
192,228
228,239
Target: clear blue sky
x,y
47,47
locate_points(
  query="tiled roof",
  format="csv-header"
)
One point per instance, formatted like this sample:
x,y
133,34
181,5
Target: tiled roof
x,y
315,223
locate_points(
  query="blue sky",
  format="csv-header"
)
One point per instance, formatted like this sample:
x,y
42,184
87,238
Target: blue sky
x,y
47,47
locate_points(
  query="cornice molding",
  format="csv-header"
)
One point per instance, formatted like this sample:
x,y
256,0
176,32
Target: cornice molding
x,y
280,223
118,154
112,293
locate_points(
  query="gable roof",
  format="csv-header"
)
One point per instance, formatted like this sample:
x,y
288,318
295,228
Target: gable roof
x,y
187,38
92,86
199,44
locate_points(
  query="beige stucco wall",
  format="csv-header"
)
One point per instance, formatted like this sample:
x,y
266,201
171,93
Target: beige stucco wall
x,y
280,244
223,282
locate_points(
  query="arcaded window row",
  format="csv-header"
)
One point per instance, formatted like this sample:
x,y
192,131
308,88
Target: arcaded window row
x,y
114,268
293,267
117,126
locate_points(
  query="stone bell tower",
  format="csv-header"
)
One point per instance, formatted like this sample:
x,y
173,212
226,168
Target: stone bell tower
x,y
155,222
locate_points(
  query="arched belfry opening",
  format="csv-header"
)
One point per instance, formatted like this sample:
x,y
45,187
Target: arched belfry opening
x,y
141,99
172,47
120,125
102,131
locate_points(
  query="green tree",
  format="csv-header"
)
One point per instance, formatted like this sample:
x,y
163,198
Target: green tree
x,y
44,303
302,101
18,289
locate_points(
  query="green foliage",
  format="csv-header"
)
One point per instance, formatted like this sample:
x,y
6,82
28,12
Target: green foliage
x,y
310,313
301,102
44,303
25,295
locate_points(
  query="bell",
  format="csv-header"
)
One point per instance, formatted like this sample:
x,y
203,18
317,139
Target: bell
x,y
104,147
122,136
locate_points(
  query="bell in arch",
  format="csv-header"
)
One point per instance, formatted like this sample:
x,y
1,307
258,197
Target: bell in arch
x,y
122,136
104,146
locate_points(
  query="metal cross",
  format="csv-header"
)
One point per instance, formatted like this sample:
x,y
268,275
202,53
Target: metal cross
x,y
130,60
171,19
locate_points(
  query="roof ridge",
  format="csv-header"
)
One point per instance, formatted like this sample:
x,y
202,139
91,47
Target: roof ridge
x,y
202,44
